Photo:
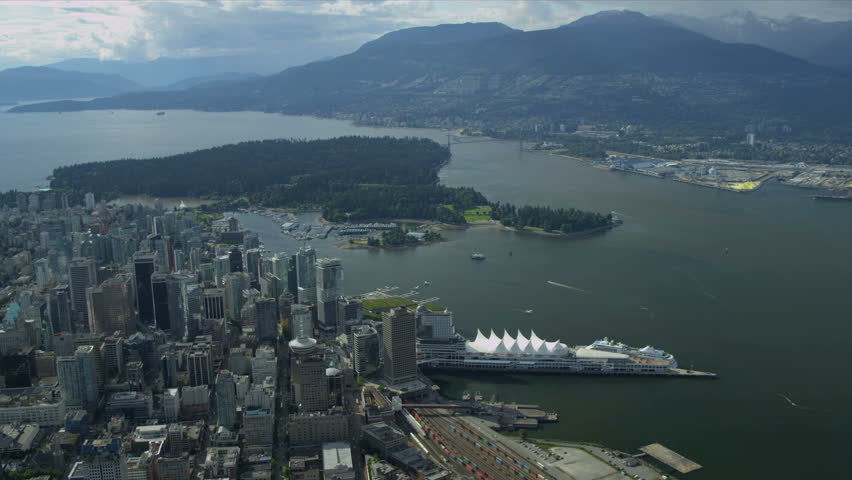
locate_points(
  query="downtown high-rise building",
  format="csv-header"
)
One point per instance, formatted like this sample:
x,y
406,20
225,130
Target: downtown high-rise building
x,y
280,266
235,258
110,305
329,276
59,309
266,319
253,257
199,362
143,269
366,358
165,300
214,303
310,386
226,399
270,285
301,321
235,283
221,267
78,377
175,303
82,274
306,259
399,337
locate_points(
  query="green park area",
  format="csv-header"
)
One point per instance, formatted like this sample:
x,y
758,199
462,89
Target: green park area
x,y
379,304
478,214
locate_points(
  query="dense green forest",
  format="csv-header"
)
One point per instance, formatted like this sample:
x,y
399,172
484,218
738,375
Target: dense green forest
x,y
348,178
415,201
310,168
548,219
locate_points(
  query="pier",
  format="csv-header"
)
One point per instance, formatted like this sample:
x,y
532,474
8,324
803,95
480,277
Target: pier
x,y
670,458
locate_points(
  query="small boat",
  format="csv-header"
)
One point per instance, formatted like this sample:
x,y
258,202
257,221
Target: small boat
x,y
466,396
477,396
161,113
426,282
477,256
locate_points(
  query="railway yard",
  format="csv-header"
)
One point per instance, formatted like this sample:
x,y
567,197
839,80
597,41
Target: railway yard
x,y
471,450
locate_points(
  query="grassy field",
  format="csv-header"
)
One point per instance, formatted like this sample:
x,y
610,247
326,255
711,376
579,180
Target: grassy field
x,y
391,302
478,214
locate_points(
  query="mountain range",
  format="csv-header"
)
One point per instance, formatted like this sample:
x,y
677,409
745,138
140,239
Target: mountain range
x,y
165,71
616,67
42,83
823,43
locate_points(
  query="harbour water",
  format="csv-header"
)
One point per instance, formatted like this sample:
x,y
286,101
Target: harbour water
x,y
754,287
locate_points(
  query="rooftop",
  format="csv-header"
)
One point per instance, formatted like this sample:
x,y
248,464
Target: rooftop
x,y
336,456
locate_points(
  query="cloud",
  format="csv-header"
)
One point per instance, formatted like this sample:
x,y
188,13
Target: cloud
x,y
296,31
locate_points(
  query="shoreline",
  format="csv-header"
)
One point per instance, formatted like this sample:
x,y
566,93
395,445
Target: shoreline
x,y
775,173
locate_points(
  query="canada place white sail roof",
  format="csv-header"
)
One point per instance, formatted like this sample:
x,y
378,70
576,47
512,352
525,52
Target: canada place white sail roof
x,y
520,345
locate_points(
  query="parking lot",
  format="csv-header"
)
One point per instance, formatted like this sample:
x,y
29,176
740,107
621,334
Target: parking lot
x,y
582,465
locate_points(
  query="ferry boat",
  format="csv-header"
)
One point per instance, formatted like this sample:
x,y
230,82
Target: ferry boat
x,y
477,256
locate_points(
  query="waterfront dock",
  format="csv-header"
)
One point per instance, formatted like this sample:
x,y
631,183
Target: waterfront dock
x,y
670,458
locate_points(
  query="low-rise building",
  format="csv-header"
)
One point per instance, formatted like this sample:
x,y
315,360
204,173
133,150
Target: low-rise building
x,y
172,468
135,405
15,438
305,467
337,461
222,462
41,406
315,428
383,437
258,426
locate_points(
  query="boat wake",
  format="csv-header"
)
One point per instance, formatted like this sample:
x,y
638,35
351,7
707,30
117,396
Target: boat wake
x,y
792,403
569,287
699,284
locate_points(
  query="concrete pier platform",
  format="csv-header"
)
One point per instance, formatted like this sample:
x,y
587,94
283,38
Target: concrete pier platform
x,y
670,458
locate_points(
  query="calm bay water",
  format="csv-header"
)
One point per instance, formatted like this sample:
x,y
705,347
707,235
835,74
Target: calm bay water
x,y
771,315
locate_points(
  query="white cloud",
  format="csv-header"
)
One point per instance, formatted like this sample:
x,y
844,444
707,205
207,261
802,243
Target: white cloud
x,y
295,31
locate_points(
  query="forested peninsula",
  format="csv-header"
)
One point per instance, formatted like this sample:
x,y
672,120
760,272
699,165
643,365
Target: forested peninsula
x,y
349,178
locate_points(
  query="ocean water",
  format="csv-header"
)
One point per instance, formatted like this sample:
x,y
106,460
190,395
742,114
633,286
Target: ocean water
x,y
752,286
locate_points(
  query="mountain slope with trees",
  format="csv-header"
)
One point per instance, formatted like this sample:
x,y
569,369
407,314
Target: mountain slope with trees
x,y
615,68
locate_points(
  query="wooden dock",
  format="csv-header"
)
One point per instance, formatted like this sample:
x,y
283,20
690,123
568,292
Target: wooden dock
x,y
670,458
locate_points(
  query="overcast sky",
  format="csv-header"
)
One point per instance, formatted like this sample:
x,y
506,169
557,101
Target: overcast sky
x,y
294,32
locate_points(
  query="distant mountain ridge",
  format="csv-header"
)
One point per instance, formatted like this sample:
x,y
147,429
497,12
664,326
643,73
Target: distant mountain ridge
x,y
617,66
207,81
166,71
823,43
439,35
42,83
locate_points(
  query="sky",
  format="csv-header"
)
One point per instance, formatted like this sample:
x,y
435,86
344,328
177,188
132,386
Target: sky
x,y
298,31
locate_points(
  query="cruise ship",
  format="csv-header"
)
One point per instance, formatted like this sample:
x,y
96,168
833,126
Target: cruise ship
x,y
521,353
